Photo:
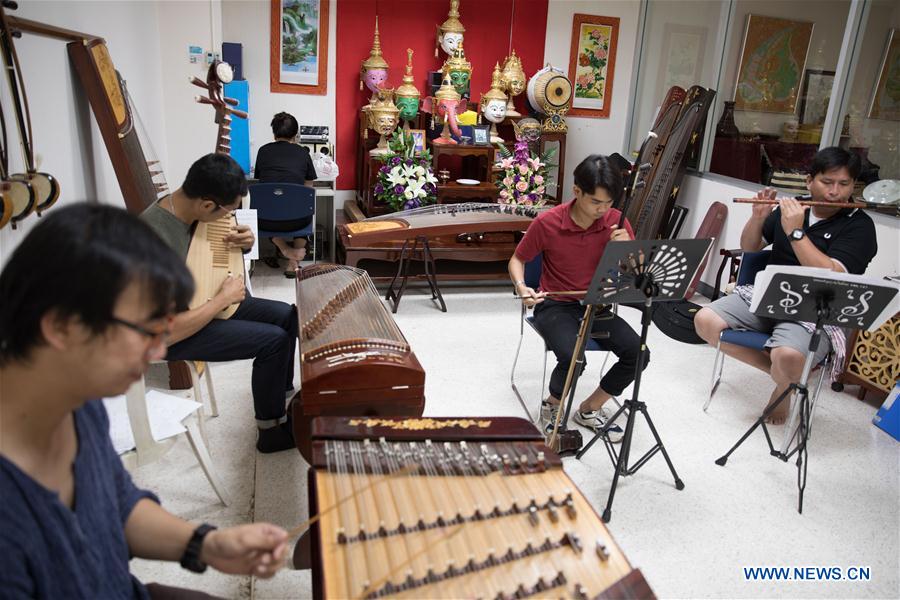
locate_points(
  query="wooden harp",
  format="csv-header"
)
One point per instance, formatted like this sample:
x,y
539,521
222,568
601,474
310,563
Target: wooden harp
x,y
109,102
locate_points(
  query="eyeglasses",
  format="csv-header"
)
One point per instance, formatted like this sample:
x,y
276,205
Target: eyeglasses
x,y
153,336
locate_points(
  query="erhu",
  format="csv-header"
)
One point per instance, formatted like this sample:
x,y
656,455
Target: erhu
x,y
562,440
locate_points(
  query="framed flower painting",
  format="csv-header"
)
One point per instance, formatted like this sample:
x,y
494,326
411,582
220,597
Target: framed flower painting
x,y
592,63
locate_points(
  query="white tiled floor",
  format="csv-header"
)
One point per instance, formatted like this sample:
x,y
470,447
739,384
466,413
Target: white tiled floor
x,y
691,543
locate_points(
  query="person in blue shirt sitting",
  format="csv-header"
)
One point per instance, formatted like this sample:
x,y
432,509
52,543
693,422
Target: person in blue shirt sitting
x,y
86,302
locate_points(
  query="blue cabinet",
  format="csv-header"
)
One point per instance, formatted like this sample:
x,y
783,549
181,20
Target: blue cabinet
x,y
240,128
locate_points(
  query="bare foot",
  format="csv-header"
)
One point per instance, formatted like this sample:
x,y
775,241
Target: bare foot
x,y
780,414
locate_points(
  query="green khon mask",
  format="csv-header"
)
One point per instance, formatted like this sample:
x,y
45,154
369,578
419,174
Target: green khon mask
x,y
409,108
460,81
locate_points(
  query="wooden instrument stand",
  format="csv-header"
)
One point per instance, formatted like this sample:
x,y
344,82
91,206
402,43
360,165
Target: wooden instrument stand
x,y
407,255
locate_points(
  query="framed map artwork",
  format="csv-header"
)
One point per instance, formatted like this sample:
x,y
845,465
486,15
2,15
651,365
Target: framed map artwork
x,y
298,55
592,64
773,60
886,99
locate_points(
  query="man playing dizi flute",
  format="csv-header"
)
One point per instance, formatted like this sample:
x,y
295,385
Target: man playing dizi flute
x,y
840,239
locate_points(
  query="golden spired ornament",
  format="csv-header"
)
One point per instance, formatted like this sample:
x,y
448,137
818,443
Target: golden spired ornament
x,y
406,97
373,71
513,77
450,32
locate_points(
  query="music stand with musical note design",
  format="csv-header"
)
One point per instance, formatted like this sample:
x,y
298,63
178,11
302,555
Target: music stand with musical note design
x,y
640,271
803,294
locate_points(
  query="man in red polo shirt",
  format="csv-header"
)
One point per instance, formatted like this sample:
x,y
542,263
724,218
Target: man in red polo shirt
x,y
572,237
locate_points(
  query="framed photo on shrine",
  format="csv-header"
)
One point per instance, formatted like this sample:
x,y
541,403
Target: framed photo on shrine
x,y
592,64
298,55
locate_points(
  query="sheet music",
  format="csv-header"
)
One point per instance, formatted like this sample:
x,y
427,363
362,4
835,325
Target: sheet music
x,y
857,302
247,216
165,411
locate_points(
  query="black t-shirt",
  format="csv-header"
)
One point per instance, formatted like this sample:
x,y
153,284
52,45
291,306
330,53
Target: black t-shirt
x,y
848,237
284,162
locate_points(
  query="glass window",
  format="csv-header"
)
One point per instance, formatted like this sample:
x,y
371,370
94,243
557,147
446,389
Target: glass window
x,y
871,123
775,88
679,49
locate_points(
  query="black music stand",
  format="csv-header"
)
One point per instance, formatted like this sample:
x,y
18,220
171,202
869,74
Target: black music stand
x,y
640,271
803,294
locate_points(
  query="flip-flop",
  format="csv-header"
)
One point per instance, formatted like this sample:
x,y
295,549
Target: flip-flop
x,y
271,262
290,274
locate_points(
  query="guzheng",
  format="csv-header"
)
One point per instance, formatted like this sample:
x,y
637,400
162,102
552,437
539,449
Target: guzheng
x,y
441,219
454,508
354,360
210,261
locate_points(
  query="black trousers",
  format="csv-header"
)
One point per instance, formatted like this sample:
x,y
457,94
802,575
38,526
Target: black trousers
x,y
264,330
559,322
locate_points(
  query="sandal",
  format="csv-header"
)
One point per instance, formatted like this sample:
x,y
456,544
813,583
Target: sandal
x,y
290,274
271,261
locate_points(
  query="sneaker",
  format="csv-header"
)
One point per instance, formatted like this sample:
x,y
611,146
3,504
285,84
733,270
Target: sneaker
x,y
548,417
595,420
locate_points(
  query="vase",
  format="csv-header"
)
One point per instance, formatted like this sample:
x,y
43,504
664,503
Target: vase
x,y
726,127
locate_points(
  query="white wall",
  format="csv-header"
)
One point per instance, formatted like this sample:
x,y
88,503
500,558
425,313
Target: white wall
x,y
247,22
190,130
698,193
593,136
64,131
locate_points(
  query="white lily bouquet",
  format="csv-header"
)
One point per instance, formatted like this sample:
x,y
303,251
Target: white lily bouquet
x,y
406,180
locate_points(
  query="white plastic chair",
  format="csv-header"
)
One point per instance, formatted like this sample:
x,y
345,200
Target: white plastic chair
x,y
177,416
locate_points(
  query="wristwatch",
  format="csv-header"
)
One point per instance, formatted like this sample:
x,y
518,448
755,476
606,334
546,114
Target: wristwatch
x,y
797,235
190,560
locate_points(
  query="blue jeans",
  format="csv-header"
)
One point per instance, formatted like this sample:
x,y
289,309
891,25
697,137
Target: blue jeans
x,y
264,330
559,322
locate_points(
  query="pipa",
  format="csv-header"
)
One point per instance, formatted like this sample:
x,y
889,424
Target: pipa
x,y
210,261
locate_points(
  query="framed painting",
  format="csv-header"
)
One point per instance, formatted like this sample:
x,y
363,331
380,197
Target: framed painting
x,y
481,134
886,97
592,64
418,136
298,46
815,95
683,50
773,59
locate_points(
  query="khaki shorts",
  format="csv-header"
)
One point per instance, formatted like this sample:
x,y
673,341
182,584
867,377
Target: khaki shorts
x,y
735,312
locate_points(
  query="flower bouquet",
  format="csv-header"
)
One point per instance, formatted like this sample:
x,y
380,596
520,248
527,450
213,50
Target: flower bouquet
x,y
525,175
406,180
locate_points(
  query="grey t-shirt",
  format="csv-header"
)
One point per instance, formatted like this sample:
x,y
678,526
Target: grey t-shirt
x,y
174,232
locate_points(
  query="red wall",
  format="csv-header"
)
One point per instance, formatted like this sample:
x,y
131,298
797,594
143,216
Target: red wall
x,y
413,24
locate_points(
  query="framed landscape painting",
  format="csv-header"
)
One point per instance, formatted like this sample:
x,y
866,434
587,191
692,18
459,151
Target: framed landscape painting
x,y
298,60
592,64
773,60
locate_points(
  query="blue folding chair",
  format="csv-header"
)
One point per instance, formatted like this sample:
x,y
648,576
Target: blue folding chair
x,y
751,264
284,202
533,280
